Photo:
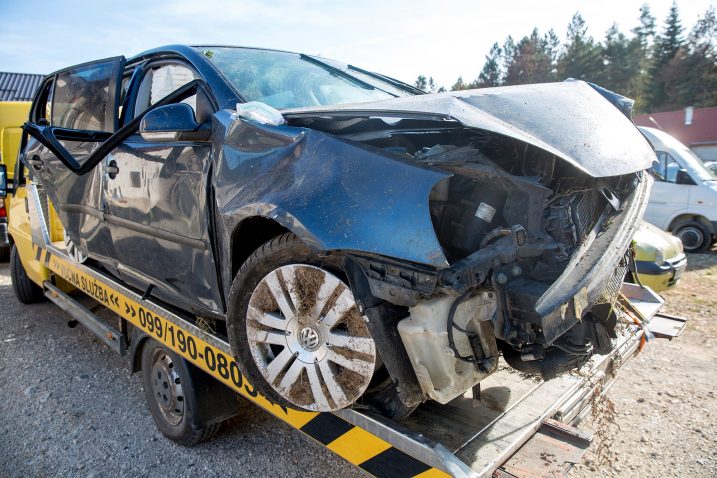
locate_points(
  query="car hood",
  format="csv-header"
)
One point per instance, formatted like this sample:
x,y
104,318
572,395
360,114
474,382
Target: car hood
x,y
569,119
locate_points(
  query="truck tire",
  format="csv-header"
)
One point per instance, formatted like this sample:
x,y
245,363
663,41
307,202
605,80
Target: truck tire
x,y
25,289
170,386
695,236
295,329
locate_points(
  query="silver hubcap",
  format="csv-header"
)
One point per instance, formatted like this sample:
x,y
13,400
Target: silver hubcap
x,y
691,237
167,387
308,338
73,251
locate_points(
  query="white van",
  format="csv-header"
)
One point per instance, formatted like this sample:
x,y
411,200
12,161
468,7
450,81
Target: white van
x,y
684,197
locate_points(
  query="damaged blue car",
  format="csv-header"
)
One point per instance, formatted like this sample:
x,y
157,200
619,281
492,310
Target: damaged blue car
x,y
359,242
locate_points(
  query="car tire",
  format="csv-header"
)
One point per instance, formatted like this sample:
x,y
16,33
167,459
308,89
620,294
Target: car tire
x,y
694,235
310,349
25,289
169,384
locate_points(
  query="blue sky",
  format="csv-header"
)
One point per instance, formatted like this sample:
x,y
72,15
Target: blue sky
x,y
400,38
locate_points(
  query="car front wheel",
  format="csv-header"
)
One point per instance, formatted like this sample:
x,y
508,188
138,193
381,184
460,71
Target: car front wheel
x,y
296,328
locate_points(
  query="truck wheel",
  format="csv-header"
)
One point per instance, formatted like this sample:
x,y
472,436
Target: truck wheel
x,y
296,330
694,235
25,289
173,401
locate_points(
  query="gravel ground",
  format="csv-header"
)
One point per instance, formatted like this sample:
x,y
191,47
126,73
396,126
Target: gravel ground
x,y
69,406
665,398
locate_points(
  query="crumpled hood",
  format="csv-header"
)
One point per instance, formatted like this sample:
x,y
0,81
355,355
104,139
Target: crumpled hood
x,y
568,119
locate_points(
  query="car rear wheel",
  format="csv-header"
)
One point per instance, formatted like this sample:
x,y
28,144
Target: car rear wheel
x,y
296,329
25,289
694,235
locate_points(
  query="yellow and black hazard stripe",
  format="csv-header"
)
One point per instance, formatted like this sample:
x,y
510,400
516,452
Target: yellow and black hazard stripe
x,y
353,443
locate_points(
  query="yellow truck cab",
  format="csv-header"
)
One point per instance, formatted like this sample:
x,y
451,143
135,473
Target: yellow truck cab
x,y
15,237
12,115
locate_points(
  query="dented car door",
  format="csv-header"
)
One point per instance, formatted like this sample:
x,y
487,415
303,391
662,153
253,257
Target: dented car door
x,y
156,196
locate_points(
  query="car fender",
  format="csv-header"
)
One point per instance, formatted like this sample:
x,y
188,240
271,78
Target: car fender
x,y
332,193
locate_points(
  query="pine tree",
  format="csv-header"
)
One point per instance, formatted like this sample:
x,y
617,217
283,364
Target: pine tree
x,y
641,47
645,32
492,73
421,83
459,85
621,60
581,58
531,61
690,77
666,48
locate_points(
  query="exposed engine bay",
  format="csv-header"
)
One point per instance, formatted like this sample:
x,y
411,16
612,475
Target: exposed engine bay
x,y
515,223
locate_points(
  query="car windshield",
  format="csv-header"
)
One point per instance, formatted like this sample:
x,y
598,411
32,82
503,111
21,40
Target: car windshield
x,y
288,80
688,159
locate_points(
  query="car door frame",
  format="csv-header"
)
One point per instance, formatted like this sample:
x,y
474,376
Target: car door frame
x,y
128,113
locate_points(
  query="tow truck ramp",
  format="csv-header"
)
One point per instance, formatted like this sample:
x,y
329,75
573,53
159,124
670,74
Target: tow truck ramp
x,y
522,427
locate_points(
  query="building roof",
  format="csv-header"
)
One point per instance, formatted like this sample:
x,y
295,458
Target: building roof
x,y
18,86
691,126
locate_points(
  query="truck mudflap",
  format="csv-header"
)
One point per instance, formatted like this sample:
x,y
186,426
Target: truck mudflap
x,y
519,418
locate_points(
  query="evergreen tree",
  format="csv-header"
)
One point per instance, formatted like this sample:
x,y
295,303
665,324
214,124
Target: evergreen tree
x,y
689,78
581,58
492,73
459,85
645,32
641,46
531,61
666,47
621,60
421,83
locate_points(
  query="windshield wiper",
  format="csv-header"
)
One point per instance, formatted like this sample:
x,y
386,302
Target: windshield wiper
x,y
337,71
398,84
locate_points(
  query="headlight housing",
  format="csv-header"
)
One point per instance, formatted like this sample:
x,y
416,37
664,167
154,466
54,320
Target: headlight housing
x,y
659,256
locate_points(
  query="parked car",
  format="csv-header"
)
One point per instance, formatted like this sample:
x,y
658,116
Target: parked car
x,y
684,198
358,241
659,258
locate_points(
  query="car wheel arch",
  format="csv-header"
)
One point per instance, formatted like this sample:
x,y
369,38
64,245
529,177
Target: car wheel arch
x,y
250,233
690,217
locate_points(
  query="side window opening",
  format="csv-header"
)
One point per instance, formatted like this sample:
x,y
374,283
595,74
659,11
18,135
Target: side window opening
x,y
42,109
84,97
665,167
159,82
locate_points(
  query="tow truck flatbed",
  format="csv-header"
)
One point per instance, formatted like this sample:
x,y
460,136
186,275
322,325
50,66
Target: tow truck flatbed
x,y
519,417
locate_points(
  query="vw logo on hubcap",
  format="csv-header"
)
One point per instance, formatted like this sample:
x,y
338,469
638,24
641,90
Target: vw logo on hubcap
x,y
309,338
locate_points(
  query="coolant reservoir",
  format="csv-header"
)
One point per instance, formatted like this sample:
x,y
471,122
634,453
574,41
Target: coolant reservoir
x,y
424,333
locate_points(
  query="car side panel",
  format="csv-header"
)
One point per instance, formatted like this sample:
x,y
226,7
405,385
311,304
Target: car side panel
x,y
158,215
77,199
335,195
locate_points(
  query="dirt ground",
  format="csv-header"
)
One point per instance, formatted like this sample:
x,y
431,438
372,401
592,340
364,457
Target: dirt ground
x,y
665,398
69,407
